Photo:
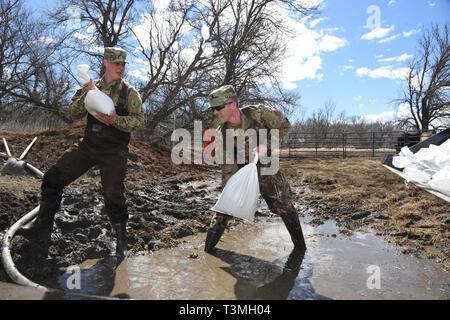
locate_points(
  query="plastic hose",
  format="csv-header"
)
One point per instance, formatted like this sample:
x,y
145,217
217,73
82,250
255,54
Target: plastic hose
x,y
8,262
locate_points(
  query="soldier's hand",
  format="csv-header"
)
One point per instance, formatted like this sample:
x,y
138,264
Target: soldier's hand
x,y
261,149
105,118
89,86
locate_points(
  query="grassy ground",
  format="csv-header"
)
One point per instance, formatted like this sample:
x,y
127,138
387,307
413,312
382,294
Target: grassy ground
x,y
360,192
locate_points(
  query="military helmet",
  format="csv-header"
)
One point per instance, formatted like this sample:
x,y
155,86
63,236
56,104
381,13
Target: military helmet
x,y
220,96
115,54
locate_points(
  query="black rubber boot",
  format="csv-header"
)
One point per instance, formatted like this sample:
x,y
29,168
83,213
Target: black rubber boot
x,y
121,238
215,231
294,228
42,225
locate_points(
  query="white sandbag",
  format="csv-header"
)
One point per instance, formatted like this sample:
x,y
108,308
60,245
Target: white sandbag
x,y
240,195
400,161
82,72
415,174
95,100
441,181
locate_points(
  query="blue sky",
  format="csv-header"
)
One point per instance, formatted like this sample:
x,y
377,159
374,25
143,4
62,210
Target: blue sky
x,y
353,53
362,72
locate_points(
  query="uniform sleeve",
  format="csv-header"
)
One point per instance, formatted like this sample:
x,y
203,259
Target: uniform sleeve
x,y
77,109
135,118
274,119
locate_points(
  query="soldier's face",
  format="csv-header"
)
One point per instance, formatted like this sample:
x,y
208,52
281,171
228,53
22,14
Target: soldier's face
x,y
114,70
225,114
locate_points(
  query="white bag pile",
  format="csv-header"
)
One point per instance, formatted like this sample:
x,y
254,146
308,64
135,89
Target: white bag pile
x,y
428,166
95,100
240,195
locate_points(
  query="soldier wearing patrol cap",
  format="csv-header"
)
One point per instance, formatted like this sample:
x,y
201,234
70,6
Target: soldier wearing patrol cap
x,y
105,144
274,188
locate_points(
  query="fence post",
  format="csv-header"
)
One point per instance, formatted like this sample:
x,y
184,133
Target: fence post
x,y
373,144
289,146
343,145
315,142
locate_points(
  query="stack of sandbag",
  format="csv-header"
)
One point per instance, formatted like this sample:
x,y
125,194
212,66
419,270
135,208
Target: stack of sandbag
x,y
428,166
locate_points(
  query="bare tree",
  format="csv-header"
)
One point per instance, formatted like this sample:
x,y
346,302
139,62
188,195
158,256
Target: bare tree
x,y
91,25
243,46
427,92
30,81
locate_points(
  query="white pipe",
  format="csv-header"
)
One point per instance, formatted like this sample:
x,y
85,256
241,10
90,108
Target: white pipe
x,y
24,153
36,171
8,262
6,147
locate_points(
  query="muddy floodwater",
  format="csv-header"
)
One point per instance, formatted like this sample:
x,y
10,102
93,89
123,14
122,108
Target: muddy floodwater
x,y
256,261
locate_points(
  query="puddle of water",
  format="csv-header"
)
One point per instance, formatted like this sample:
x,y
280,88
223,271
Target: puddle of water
x,y
255,261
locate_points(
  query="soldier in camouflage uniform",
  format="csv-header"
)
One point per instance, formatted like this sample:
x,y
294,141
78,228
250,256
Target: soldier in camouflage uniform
x,y
105,144
274,188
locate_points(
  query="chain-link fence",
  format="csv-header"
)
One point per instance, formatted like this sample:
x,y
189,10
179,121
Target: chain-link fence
x,y
333,144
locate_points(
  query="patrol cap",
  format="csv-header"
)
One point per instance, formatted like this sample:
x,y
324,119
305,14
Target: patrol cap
x,y
115,54
220,96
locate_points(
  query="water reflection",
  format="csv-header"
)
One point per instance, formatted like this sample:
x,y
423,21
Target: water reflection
x,y
260,279
96,281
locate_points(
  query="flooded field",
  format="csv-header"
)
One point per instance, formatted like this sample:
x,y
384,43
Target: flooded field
x,y
256,261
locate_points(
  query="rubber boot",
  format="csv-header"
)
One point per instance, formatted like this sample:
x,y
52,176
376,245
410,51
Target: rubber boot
x,y
42,225
121,238
215,231
294,228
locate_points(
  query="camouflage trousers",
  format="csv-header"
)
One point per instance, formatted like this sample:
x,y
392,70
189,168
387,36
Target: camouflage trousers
x,y
277,193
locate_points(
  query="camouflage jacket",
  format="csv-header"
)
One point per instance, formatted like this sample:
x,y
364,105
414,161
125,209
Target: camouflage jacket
x,y
135,118
256,117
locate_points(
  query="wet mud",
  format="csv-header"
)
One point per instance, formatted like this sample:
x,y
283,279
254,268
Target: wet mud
x,y
169,209
257,261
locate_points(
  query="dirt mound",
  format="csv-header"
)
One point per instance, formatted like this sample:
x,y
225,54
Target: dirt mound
x,y
165,202
52,143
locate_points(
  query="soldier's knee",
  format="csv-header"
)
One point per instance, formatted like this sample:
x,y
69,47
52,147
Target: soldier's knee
x,y
52,185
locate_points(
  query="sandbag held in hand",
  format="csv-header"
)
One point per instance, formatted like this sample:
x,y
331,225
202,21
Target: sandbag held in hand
x,y
240,195
95,100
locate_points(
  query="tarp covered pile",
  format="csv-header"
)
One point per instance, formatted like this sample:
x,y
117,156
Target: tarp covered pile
x,y
429,166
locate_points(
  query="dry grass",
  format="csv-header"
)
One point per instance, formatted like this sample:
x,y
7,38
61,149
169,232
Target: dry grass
x,y
408,215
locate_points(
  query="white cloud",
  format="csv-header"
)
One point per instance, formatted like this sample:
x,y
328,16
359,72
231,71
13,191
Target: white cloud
x,y
382,117
47,40
383,72
313,23
357,98
161,5
431,4
400,58
402,110
377,33
81,36
407,34
140,74
395,36
303,55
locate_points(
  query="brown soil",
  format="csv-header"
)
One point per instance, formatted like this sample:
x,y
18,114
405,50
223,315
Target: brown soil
x,y
168,202
165,202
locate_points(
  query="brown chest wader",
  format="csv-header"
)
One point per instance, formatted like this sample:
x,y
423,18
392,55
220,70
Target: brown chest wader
x,y
278,195
103,146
